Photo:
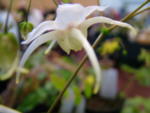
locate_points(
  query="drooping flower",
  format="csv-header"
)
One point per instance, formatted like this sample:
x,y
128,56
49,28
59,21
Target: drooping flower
x,y
69,30
9,51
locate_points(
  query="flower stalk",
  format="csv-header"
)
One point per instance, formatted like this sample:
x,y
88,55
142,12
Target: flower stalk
x,y
28,10
143,10
132,14
129,16
7,17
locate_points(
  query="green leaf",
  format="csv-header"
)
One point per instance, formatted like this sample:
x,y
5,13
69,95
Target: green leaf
x,y
125,52
144,56
58,81
137,105
64,73
42,75
32,100
142,76
105,30
128,69
78,96
88,84
88,91
68,60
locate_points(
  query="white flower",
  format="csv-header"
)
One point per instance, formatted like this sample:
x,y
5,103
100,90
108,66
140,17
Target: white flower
x,y
69,30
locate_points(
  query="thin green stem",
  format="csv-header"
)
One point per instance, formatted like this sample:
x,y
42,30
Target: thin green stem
x,y
67,84
85,58
143,10
28,9
74,75
132,13
7,17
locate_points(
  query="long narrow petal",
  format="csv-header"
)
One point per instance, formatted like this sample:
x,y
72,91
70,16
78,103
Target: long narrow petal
x,y
87,23
35,44
50,46
90,9
91,54
40,29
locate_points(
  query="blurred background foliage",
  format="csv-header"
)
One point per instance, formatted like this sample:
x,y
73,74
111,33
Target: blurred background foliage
x,y
137,105
48,74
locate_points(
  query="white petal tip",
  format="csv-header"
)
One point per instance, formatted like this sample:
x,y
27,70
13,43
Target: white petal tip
x,y
24,42
96,89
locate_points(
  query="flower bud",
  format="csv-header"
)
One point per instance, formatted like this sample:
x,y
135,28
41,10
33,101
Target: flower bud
x,y
25,28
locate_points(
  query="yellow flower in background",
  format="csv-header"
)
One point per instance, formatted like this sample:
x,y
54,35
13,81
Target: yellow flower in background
x,y
69,30
90,79
88,85
109,47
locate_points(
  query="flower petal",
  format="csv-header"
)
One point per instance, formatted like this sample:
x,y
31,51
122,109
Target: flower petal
x,y
90,9
74,43
68,14
87,23
90,52
50,46
73,14
63,41
35,44
40,29
83,29
68,43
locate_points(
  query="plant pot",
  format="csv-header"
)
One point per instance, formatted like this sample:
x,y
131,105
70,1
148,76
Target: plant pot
x,y
97,104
